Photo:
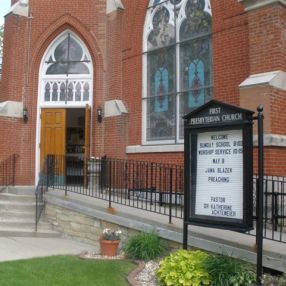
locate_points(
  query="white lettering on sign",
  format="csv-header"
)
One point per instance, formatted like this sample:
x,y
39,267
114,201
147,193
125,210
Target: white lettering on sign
x,y
219,182
232,117
215,116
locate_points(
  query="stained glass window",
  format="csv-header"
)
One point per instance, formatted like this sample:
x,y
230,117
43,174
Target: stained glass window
x,y
67,72
178,65
68,58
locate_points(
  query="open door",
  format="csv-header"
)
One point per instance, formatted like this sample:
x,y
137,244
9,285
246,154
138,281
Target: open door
x,y
86,143
53,138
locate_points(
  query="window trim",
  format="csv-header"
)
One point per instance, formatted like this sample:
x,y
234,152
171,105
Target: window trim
x,y
44,77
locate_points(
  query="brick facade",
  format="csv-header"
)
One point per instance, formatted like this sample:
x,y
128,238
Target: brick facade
x,y
243,43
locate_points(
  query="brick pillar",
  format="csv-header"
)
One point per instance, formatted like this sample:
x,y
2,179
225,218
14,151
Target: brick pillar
x,y
115,113
266,83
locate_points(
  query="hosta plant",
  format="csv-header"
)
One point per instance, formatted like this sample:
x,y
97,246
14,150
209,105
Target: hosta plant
x,y
184,268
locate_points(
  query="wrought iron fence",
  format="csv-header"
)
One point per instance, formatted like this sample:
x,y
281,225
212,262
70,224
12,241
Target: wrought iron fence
x,y
149,186
153,187
274,215
7,172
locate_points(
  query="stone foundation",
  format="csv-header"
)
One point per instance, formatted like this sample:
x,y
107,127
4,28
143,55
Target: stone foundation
x,y
85,228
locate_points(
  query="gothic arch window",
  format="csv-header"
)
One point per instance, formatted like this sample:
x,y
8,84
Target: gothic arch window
x,y
66,73
177,66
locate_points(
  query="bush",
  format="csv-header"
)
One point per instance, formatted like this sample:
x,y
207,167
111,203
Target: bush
x,y
227,271
145,246
184,268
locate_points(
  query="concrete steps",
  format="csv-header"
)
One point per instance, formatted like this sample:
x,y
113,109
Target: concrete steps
x,y
18,232
7,197
14,215
17,215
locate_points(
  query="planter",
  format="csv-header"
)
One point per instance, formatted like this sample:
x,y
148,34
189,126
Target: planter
x,y
109,247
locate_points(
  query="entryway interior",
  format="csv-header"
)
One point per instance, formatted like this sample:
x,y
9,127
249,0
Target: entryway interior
x,y
75,144
64,134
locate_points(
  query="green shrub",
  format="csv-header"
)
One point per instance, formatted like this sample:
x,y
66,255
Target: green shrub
x,y
184,268
228,271
145,246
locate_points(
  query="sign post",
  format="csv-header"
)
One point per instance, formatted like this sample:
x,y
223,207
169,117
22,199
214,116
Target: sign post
x,y
260,194
218,167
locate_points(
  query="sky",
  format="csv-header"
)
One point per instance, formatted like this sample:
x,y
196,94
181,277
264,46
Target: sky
x,y
4,9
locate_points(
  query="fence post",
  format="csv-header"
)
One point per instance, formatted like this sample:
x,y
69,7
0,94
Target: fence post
x,y
170,195
36,213
275,211
64,164
259,230
109,189
46,171
14,169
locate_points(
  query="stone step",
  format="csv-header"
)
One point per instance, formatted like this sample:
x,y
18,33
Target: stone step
x,y
8,197
22,232
21,190
17,214
14,215
24,224
17,206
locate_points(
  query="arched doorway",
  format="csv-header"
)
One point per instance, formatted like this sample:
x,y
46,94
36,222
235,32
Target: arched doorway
x,y
64,104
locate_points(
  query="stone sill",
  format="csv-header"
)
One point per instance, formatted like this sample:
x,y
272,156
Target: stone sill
x,y
257,4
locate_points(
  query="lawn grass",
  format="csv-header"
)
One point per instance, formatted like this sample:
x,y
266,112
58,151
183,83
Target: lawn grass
x,y
64,271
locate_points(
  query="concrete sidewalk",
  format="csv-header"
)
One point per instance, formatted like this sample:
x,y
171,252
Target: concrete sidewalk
x,y
14,248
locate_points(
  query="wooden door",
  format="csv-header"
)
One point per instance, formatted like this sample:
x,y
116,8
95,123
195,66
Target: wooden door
x,y
86,143
53,136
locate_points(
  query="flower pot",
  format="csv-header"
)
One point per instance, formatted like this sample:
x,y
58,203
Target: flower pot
x,y
109,247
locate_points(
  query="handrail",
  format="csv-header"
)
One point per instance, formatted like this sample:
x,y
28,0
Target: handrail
x,y
41,189
8,171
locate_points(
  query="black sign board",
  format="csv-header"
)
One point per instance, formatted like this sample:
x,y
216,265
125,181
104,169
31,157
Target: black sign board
x,y
218,167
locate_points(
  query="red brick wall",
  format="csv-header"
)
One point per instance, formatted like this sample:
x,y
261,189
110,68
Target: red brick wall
x,y
267,39
16,140
165,158
230,49
274,161
278,116
115,136
1,90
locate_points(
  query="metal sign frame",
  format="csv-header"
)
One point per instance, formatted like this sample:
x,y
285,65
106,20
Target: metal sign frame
x,y
198,122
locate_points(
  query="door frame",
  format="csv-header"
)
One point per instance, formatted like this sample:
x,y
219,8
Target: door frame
x,y
38,132
42,104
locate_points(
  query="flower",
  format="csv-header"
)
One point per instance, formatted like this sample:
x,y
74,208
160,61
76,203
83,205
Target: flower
x,y
108,234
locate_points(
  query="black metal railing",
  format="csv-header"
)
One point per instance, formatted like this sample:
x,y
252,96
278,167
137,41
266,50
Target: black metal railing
x,y
7,172
42,188
274,215
143,185
153,187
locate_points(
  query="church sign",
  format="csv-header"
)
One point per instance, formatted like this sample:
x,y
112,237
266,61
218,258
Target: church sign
x,y
218,167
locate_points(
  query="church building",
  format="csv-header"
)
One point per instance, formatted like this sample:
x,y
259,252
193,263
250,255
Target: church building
x,y
115,77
